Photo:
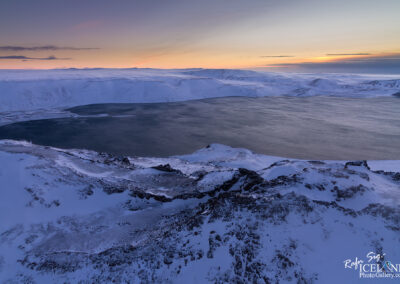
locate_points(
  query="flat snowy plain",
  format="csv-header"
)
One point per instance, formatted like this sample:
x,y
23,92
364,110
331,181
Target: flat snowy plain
x,y
41,94
220,215
43,89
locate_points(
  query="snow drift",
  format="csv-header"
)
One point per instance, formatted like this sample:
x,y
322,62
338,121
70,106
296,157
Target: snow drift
x,y
220,215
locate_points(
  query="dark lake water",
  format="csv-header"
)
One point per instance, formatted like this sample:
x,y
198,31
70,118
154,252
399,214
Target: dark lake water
x,y
308,127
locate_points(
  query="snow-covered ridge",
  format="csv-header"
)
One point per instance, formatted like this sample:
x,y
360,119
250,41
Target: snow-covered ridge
x,y
35,89
220,215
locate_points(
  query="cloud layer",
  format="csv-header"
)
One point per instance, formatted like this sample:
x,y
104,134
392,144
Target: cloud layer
x,y
389,64
43,48
25,58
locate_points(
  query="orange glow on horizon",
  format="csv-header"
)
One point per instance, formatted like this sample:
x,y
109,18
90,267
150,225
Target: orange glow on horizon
x,y
177,60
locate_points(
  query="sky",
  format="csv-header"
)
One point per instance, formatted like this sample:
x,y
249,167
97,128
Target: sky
x,y
283,35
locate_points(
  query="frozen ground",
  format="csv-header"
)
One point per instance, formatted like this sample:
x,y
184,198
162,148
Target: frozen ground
x,y
22,90
218,215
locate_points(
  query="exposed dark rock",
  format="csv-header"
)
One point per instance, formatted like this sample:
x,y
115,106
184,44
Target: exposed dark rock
x,y
357,164
349,192
397,95
167,168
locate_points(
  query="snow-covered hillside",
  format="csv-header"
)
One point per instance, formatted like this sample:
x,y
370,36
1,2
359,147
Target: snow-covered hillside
x,y
22,90
219,215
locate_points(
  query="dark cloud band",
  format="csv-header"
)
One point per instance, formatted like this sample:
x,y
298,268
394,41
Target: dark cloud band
x,y
21,57
371,64
43,48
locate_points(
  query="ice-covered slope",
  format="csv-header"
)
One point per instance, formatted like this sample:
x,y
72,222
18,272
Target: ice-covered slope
x,y
219,215
43,89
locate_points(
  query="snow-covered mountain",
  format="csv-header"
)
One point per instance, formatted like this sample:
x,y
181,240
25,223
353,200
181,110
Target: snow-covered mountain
x,y
219,215
22,90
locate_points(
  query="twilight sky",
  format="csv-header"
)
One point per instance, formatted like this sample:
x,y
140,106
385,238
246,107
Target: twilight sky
x,y
294,35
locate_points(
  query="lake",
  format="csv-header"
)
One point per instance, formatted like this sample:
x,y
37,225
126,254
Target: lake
x,y
295,127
